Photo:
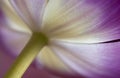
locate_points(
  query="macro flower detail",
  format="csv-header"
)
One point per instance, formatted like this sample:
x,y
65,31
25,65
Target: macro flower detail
x,y
82,35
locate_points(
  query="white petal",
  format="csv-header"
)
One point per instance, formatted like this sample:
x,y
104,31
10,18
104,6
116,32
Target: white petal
x,y
12,20
68,20
49,59
31,11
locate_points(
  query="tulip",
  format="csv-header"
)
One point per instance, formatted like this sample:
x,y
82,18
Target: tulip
x,y
77,38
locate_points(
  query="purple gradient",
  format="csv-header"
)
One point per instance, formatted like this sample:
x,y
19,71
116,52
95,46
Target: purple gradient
x,y
111,17
110,22
103,57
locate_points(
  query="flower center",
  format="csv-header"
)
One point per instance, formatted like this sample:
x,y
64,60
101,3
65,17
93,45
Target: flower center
x,y
39,36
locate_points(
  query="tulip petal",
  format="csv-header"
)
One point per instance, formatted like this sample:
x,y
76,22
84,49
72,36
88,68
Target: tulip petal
x,y
82,21
31,11
91,60
11,19
14,41
49,59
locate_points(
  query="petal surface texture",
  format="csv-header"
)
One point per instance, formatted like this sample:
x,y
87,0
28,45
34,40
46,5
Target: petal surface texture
x,y
12,20
70,26
13,41
31,11
92,61
82,21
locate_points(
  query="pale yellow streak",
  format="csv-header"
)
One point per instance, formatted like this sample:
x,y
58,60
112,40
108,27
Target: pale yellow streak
x,y
14,21
49,59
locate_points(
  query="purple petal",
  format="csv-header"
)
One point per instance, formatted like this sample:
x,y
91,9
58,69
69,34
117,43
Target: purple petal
x,y
13,41
92,61
83,21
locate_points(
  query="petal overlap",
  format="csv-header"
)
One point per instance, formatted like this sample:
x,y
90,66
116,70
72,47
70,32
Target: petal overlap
x,y
11,18
48,58
31,11
14,41
89,60
82,21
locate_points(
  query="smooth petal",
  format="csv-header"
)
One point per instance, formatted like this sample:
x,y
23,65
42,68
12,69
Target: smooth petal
x,y
92,61
49,59
31,11
83,21
12,40
11,19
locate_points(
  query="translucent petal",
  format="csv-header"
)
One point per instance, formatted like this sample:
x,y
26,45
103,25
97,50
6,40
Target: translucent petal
x,y
89,60
48,59
12,20
31,11
14,41
82,21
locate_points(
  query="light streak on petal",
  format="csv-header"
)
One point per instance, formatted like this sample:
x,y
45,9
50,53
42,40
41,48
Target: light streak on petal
x,y
12,20
69,25
48,58
81,21
31,11
89,60
14,41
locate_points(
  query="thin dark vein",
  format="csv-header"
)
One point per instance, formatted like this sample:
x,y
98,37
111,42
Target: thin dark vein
x,y
112,41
